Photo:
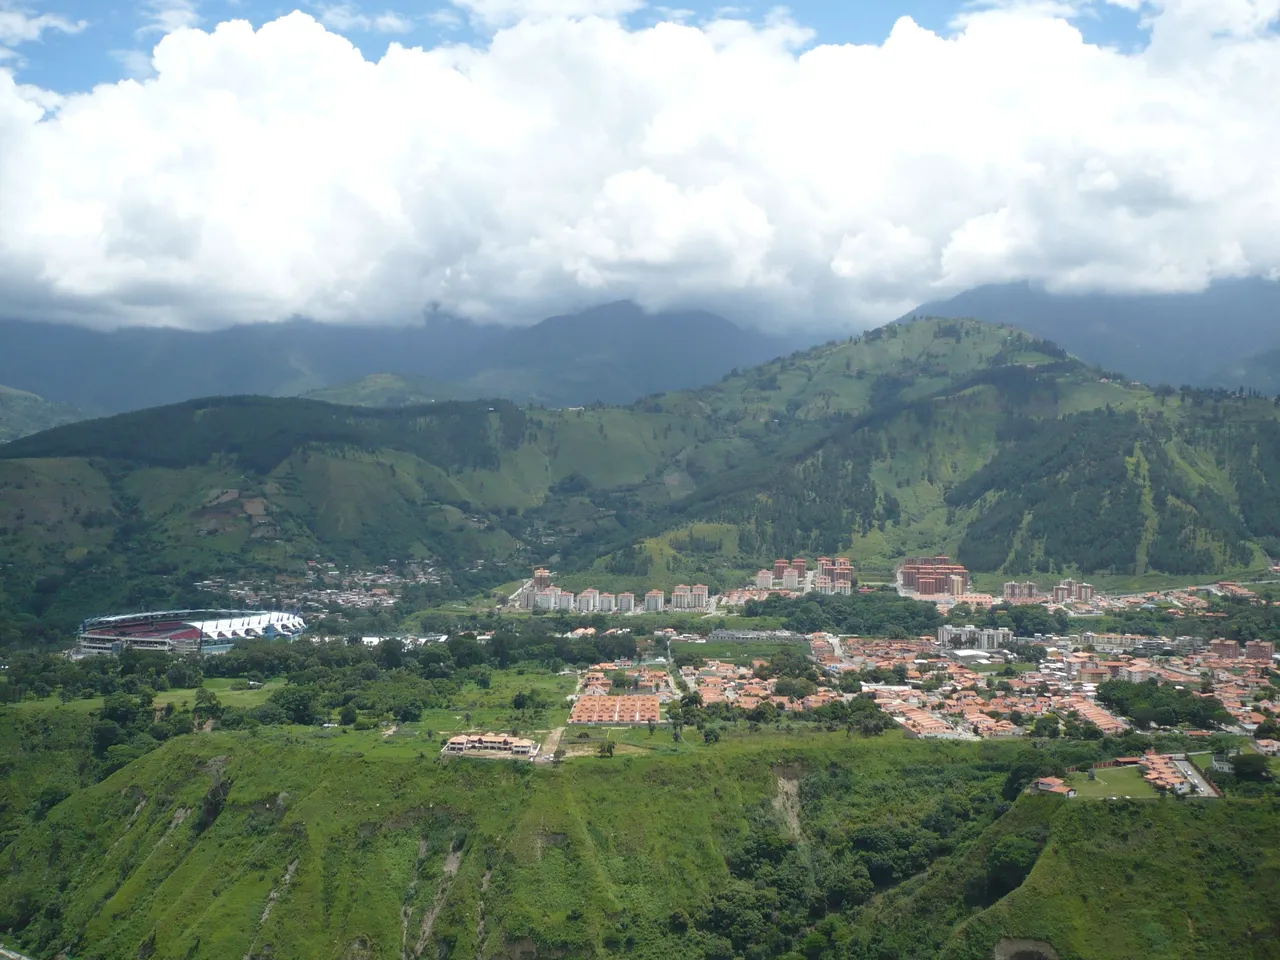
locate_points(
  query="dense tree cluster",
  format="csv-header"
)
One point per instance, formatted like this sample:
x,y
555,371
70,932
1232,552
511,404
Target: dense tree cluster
x,y
1069,495
1152,703
877,614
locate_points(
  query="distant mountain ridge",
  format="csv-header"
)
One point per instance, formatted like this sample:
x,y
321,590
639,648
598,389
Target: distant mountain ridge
x,y
1260,371
941,435
614,353
1183,338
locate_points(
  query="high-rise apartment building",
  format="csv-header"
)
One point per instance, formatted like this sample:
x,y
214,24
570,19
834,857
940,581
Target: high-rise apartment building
x,y
1021,591
931,576
1259,650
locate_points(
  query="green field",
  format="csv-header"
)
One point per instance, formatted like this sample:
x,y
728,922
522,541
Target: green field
x,y
491,709
1112,782
220,686
734,652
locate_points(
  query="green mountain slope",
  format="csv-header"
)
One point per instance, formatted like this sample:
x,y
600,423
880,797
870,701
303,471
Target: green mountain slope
x,y
936,435
352,845
23,413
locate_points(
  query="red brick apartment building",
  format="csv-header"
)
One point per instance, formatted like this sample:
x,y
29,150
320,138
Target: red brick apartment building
x,y
933,576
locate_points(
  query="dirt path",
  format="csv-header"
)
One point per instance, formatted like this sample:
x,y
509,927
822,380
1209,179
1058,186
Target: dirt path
x,y
550,745
451,864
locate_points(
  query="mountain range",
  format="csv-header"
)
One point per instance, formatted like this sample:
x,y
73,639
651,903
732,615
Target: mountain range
x,y
612,354
1202,339
939,435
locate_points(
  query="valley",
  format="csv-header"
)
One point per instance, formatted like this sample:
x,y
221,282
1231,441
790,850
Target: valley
x,y
850,789
937,436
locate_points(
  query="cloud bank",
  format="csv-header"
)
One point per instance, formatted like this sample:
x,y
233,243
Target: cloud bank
x,y
572,159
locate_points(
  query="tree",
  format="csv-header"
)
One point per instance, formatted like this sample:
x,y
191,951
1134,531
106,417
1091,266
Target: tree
x,y
1250,766
1046,726
348,714
207,703
1008,864
606,749
298,703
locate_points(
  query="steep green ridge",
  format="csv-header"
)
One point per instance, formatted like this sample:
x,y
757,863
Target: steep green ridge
x,y
936,435
23,413
355,845
1145,879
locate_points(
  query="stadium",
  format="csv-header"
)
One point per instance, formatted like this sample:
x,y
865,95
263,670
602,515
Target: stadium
x,y
183,631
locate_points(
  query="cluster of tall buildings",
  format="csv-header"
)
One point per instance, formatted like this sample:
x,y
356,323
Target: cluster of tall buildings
x,y
970,637
935,576
1021,591
1065,592
541,594
1253,650
1069,590
828,576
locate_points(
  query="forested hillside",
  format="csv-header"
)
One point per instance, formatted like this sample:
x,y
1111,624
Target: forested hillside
x,y
938,435
305,843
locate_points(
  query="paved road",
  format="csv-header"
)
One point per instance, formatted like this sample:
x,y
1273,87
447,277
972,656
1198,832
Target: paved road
x,y
1191,773
10,955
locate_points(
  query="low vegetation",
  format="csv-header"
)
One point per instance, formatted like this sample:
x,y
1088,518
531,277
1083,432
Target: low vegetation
x,y
793,844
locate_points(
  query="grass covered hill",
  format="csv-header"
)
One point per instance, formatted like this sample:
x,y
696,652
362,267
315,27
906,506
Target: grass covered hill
x,y
310,844
391,390
936,435
23,413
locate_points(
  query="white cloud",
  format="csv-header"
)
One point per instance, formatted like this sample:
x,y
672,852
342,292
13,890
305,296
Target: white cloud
x,y
21,25
135,63
499,13
347,16
271,173
166,16
446,18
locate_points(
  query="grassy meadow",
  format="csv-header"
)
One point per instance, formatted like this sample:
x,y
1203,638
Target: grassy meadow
x,y
1123,782
218,685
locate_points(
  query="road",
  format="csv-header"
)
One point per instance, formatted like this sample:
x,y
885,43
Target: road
x,y
524,586
547,753
1197,780
10,955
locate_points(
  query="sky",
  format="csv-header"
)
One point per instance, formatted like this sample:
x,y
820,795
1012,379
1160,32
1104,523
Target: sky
x,y
198,163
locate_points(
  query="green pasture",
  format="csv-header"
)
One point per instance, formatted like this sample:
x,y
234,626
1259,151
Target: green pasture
x,y
1112,782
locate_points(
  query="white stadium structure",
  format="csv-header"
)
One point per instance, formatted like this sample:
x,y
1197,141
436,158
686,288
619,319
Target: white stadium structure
x,y
184,631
